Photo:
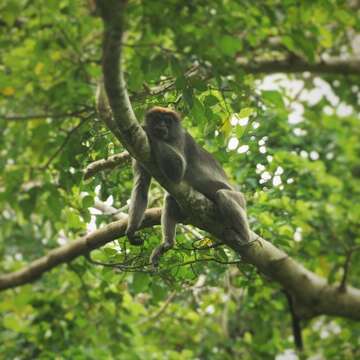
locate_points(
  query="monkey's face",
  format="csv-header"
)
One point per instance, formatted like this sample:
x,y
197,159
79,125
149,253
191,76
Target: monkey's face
x,y
163,126
160,128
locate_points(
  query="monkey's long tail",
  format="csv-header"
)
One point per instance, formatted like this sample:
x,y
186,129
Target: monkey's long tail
x,y
295,323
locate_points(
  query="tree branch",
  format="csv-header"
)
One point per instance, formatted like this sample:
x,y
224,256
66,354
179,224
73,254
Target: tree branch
x,y
69,252
312,294
298,65
116,214
161,311
43,116
64,143
110,163
131,134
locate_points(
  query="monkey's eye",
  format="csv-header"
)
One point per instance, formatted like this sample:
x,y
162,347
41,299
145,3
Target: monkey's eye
x,y
169,119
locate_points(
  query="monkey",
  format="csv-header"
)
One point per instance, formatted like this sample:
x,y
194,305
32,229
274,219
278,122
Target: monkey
x,y
180,158
295,323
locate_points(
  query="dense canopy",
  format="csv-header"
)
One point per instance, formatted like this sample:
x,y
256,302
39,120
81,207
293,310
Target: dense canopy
x,y
270,88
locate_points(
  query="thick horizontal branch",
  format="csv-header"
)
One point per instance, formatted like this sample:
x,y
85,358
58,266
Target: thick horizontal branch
x,y
287,66
297,65
110,163
311,293
69,252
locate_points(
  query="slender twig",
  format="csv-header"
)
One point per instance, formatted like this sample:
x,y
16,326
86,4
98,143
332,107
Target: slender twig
x,y
151,45
116,214
125,266
204,260
82,282
66,140
42,116
161,311
110,163
347,262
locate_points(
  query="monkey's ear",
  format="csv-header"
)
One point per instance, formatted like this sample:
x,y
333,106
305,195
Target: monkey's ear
x,y
176,116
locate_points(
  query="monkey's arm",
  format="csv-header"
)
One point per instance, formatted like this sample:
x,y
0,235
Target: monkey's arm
x,y
171,162
138,202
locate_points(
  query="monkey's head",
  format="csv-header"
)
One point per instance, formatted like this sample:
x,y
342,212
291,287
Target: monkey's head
x,y
162,123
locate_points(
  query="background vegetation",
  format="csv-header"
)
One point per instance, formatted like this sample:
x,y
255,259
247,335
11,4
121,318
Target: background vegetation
x,y
271,88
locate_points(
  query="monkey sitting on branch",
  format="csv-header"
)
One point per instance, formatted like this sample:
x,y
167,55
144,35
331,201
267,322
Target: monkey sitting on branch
x,y
180,158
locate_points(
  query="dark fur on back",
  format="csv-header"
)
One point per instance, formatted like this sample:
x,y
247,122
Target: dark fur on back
x,y
201,170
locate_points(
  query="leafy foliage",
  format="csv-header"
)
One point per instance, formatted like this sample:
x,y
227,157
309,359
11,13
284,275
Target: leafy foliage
x,y
294,153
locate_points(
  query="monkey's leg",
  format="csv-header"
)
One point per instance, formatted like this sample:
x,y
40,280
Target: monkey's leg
x,y
170,215
138,202
232,207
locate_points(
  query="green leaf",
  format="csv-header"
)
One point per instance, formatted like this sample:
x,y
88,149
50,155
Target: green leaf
x,y
211,100
198,111
289,43
176,67
88,201
226,127
286,230
188,96
136,80
229,45
14,323
158,292
73,220
306,45
325,37
109,251
180,82
140,282
273,98
221,255
245,112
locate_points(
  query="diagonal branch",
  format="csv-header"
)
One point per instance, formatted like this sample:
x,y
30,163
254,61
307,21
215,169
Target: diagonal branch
x,y
131,134
110,163
64,143
312,294
74,249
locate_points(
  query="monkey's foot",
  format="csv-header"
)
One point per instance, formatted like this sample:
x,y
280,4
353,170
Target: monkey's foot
x,y
157,253
234,237
135,240
155,257
241,228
